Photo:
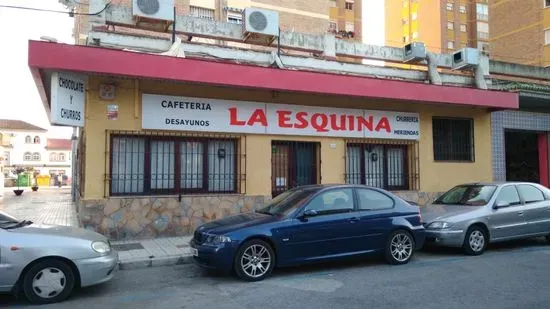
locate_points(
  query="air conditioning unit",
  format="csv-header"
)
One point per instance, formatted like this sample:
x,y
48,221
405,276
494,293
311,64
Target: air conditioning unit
x,y
465,58
260,26
414,52
153,10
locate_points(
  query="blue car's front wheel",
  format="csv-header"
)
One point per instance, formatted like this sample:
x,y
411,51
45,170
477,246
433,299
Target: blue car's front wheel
x,y
254,260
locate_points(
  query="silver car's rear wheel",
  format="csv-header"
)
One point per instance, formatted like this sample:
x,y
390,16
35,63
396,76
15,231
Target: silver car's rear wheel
x,y
48,281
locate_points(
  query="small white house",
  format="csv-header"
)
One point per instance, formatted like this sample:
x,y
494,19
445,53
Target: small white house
x,y
27,145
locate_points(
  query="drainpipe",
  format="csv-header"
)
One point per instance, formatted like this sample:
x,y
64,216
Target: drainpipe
x,y
74,165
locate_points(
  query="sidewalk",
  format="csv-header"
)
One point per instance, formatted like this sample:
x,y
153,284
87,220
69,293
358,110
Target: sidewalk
x,y
153,252
52,205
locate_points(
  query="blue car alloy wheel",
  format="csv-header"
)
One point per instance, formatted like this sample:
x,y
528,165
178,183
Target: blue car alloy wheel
x,y
254,260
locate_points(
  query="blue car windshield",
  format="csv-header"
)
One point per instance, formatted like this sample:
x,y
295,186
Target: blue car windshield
x,y
285,203
469,195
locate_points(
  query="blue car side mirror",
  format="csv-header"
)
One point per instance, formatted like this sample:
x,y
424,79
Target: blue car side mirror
x,y
310,213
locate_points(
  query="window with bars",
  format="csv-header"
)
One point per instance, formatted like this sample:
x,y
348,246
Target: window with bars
x,y
453,139
172,165
200,12
385,166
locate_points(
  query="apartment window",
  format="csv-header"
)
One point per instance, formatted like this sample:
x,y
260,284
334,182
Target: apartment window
x,y
349,6
234,19
546,3
28,139
453,139
405,39
197,11
462,8
157,165
449,6
450,25
53,157
332,3
463,28
415,35
482,11
377,165
333,25
36,140
36,156
414,16
450,44
27,156
547,36
61,157
350,27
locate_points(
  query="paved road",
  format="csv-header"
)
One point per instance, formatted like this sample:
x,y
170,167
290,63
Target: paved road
x,y
511,276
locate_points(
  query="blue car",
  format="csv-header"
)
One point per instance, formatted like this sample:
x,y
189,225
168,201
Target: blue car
x,y
310,224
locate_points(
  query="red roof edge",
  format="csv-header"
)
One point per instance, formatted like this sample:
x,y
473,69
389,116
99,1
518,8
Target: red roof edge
x,y
84,59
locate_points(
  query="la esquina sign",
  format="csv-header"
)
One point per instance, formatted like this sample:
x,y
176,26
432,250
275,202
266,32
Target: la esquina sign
x,y
162,112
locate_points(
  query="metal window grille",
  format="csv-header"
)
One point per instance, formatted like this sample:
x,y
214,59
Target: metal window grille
x,y
200,12
174,164
453,139
294,164
391,165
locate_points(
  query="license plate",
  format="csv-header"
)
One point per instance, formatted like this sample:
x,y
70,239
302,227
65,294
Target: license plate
x,y
195,252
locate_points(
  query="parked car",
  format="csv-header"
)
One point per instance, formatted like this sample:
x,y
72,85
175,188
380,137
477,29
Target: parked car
x,y
46,262
310,224
473,215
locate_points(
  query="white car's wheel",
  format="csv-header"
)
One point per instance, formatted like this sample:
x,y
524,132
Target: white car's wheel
x,y
48,281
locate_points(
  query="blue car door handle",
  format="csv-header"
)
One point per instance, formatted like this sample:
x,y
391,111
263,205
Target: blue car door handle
x,y
353,220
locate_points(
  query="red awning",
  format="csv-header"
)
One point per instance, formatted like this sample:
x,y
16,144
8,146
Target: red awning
x,y
84,59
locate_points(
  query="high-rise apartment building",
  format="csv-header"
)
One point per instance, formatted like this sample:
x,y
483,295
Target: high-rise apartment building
x,y
443,25
343,17
520,31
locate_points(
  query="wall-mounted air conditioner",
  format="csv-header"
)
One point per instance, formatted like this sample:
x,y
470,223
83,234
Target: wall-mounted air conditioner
x,y
260,26
465,58
153,10
414,52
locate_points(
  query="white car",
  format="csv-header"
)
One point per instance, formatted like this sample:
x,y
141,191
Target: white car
x,y
47,262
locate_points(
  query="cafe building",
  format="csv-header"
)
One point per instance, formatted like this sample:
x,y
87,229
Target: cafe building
x,y
166,144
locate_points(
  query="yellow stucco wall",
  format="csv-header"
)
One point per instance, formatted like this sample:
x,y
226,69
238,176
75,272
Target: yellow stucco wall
x,y
434,176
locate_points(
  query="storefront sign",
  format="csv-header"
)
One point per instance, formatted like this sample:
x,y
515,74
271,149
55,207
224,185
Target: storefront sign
x,y
67,99
197,114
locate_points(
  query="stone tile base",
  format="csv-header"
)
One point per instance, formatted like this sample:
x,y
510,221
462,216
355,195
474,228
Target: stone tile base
x,y
152,217
422,198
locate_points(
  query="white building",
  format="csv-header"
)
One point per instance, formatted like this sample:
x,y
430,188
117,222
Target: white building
x,y
27,145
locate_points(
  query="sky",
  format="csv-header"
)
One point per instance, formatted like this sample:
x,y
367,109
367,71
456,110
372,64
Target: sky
x,y
19,98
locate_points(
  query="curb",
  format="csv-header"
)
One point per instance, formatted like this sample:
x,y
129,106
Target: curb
x,y
155,262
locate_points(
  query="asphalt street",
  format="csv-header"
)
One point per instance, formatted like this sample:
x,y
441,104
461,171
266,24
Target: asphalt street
x,y
510,276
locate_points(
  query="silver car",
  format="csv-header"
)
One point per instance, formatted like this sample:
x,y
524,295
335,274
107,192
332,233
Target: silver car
x,y
473,215
46,263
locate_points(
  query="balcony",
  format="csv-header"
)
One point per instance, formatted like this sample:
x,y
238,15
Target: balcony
x,y
342,34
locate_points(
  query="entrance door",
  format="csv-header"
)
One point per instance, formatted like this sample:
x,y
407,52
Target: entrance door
x,y
293,164
522,156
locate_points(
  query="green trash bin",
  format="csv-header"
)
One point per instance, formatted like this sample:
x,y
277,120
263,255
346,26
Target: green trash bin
x,y
24,180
